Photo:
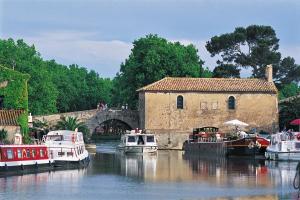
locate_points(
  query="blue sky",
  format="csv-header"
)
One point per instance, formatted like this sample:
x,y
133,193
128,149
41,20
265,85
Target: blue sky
x,y
99,34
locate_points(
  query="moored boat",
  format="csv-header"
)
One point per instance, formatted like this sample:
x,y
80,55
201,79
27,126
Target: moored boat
x,y
284,146
208,140
137,142
25,158
67,148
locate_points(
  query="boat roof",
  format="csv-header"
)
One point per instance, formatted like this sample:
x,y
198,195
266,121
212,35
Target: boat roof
x,y
21,145
62,132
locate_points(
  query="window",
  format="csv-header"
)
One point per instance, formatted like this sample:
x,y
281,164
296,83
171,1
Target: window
x,y
1,102
9,154
131,139
150,138
214,105
41,153
203,105
28,153
180,102
231,103
33,152
19,153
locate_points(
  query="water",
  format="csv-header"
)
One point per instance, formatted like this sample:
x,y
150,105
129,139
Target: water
x,y
169,175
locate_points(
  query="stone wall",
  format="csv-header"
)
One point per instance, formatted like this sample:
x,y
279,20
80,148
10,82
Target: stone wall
x,y
11,131
206,109
53,119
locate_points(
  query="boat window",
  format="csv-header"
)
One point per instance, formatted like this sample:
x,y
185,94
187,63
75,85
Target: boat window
x,y
297,145
231,103
28,153
9,154
60,153
150,138
69,153
131,139
19,153
33,152
41,153
180,102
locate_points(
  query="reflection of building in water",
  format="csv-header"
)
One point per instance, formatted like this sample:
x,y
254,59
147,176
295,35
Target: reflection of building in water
x,y
141,166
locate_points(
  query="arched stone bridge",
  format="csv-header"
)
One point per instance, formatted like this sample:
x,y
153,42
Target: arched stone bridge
x,y
93,118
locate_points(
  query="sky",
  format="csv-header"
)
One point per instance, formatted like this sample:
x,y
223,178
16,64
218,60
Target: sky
x,y
98,34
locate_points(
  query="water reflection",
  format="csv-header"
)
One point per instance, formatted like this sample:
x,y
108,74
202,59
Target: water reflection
x,y
167,175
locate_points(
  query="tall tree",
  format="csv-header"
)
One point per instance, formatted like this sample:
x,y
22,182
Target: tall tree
x,y
255,46
153,58
226,71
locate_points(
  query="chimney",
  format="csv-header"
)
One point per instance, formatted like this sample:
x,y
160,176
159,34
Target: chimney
x,y
269,73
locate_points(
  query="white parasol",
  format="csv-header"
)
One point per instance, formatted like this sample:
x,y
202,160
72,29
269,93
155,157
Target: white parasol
x,y
236,123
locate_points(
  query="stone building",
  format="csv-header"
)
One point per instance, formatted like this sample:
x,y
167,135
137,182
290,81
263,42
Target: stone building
x,y
13,101
172,107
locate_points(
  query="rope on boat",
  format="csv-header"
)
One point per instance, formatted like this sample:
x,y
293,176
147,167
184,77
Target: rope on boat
x,y
296,182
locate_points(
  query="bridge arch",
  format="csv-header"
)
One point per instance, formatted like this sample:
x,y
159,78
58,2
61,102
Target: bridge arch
x,y
127,117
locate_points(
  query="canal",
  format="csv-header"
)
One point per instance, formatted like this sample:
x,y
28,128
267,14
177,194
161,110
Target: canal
x,y
168,175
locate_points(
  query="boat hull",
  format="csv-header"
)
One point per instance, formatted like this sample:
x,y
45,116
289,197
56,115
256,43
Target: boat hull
x,y
138,149
252,146
287,156
67,164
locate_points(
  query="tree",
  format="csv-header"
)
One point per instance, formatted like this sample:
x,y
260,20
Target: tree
x,y
288,71
71,123
226,71
289,90
255,46
3,135
153,58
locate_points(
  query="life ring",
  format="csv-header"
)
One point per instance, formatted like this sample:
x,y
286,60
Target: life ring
x,y
298,136
251,145
257,144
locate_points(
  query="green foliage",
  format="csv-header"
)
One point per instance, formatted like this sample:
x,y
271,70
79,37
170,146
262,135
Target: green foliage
x,y
71,123
255,46
226,71
153,58
289,90
289,72
15,93
3,135
53,87
289,111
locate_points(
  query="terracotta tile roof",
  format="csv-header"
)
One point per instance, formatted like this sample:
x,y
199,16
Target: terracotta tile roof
x,y
211,85
9,117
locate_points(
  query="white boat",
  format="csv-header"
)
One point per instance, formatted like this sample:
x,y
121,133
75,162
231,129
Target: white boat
x,y
66,148
284,146
137,142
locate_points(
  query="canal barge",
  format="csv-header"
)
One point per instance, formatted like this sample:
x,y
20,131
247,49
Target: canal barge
x,y
67,148
209,140
22,157
137,142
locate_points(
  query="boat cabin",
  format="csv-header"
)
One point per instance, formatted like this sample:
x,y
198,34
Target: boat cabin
x,y
138,139
11,153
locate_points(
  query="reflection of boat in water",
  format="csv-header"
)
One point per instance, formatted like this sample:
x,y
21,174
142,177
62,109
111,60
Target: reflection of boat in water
x,y
141,166
136,142
284,146
67,148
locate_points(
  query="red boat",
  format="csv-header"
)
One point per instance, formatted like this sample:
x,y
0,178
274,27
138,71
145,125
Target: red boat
x,y
24,157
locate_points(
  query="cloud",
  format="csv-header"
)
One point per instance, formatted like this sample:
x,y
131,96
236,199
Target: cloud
x,y
69,47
